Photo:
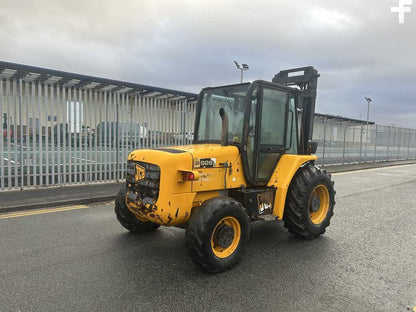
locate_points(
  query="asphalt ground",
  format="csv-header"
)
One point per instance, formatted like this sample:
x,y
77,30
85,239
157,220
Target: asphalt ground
x,y
80,259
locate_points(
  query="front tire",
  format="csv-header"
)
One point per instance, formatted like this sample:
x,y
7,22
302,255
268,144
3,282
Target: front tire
x,y
310,202
217,234
127,219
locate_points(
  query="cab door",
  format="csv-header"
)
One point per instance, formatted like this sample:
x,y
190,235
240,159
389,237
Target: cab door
x,y
272,130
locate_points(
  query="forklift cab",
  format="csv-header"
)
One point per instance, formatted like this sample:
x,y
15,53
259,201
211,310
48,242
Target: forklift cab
x,y
262,124
266,119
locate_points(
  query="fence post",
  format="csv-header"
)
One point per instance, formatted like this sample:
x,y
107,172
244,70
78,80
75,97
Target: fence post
x,y
408,146
183,125
331,138
343,147
388,143
323,148
21,132
375,145
398,148
361,143
117,137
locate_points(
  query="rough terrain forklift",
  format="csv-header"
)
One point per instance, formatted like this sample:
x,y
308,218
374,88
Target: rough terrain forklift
x,y
252,158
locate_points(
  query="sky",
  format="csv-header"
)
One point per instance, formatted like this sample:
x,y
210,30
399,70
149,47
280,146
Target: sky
x,y
359,47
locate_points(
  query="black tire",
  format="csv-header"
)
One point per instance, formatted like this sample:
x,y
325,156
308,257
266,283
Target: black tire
x,y
209,233
310,191
127,219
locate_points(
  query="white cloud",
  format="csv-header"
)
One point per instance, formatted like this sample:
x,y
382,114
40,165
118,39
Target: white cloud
x,y
334,19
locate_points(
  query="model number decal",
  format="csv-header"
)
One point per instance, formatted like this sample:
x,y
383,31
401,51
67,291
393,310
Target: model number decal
x,y
205,163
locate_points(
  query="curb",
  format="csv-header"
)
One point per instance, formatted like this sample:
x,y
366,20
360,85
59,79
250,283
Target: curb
x,y
364,166
58,203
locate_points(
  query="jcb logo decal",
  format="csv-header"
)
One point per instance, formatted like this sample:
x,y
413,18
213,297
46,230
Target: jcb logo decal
x,y
140,173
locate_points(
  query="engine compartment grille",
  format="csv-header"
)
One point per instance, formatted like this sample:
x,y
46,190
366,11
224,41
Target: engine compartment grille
x,y
146,187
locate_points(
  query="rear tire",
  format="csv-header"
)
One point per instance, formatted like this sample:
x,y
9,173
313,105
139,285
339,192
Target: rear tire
x,y
217,234
127,219
310,203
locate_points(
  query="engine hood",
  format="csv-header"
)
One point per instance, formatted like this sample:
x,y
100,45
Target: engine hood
x,y
215,152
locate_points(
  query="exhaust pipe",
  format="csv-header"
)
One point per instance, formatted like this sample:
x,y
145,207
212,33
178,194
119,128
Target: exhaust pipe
x,y
224,129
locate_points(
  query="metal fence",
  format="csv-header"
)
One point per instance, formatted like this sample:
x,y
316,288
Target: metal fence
x,y
343,142
61,134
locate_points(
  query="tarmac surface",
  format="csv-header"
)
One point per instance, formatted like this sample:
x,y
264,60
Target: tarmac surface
x,y
80,259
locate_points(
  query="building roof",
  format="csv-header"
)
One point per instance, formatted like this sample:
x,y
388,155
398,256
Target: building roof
x,y
340,118
50,76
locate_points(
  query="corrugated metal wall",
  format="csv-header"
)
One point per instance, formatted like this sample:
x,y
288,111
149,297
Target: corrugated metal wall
x,y
62,135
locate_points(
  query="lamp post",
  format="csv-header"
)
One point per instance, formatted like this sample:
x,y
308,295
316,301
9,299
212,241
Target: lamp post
x,y
242,68
368,115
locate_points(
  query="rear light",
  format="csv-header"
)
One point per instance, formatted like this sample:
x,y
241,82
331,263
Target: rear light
x,y
188,175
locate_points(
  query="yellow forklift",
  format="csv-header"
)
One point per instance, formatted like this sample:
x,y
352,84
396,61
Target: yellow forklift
x,y
252,158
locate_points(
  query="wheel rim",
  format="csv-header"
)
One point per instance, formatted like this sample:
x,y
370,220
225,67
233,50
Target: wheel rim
x,y
226,237
319,204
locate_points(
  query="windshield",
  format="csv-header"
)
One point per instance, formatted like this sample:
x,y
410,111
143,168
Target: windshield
x,y
231,99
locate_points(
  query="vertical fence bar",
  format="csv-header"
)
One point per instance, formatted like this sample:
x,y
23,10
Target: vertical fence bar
x,y
112,134
25,128
155,111
16,133
343,145
158,114
80,134
21,133
106,134
34,126
375,144
361,143
146,111
152,121
71,125
26,101
54,132
65,129
8,135
90,131
118,139
76,134
3,132
408,144
398,143
58,126
46,103
41,133
146,120
165,122
99,133
132,106
323,148
96,109
388,143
